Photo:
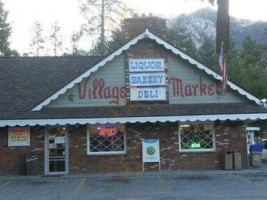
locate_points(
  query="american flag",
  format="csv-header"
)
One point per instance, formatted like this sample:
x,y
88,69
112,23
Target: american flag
x,y
223,68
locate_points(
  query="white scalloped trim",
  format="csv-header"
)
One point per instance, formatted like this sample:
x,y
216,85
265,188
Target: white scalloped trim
x,y
87,73
123,120
204,68
151,36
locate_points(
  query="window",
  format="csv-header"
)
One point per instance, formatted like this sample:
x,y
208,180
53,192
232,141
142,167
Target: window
x,y
98,144
196,137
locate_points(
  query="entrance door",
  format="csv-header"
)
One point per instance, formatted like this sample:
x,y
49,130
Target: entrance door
x,y
56,142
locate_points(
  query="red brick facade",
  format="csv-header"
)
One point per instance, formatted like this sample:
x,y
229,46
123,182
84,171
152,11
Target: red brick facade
x,y
13,159
229,136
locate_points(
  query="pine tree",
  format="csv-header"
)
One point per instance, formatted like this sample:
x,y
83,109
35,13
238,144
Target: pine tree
x,y
117,39
37,42
5,32
263,49
250,53
56,38
179,38
207,52
246,68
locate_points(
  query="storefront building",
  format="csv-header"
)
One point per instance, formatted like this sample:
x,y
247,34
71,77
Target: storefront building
x,y
91,114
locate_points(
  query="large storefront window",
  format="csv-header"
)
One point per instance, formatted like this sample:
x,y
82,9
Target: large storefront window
x,y
106,139
196,137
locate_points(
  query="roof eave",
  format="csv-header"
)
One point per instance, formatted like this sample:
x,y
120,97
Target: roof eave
x,y
160,41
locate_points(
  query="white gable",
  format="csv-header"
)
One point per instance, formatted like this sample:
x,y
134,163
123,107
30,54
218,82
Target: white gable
x,y
145,35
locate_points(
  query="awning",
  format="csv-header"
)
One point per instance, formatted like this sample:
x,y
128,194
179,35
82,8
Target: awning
x,y
82,121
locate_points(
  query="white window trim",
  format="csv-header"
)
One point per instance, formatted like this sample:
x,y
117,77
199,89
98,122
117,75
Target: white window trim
x,y
197,150
105,153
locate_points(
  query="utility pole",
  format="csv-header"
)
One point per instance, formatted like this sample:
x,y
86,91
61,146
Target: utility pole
x,y
102,39
223,25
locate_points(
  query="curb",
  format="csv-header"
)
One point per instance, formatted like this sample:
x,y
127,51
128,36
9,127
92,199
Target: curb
x,y
177,173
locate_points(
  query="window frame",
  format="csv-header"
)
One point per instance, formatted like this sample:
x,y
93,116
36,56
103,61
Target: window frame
x,y
197,150
105,152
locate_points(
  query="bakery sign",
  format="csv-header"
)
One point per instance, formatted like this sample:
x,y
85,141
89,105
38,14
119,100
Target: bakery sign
x,y
146,86
19,136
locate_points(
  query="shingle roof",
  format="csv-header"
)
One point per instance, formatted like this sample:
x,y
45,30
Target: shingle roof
x,y
25,82
139,111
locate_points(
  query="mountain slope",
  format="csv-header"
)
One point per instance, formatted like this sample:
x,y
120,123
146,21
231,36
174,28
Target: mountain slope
x,y
203,22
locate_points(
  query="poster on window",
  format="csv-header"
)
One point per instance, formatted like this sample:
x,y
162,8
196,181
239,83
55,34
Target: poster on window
x,y
150,149
19,136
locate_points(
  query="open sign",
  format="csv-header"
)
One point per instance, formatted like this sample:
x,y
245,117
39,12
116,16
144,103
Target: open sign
x,y
107,131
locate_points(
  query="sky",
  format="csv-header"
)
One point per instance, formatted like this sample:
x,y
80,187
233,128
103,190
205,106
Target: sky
x,y
23,13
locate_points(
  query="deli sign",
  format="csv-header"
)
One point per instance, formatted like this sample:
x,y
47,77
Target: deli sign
x,y
148,94
146,86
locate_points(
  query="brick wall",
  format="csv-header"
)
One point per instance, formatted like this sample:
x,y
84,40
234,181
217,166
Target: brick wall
x,y
229,136
135,26
13,158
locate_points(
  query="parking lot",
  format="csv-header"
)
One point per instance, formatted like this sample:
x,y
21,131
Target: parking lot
x,y
137,187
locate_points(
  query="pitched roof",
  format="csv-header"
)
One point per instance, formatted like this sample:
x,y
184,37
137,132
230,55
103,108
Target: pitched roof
x,y
28,83
160,41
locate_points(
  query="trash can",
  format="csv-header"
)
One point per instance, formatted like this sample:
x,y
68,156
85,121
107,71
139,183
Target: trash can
x,y
237,160
228,160
32,164
256,155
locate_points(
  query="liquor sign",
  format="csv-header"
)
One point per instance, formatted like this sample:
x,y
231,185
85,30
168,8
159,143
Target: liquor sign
x,y
147,79
148,94
108,130
146,65
19,136
150,151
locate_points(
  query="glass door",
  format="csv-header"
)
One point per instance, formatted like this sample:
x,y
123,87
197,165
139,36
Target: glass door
x,y
56,150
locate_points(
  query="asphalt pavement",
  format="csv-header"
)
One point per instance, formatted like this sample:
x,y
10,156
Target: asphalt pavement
x,y
166,185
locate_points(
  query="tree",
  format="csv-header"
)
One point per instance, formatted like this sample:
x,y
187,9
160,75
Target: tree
x,y
99,13
250,53
37,42
263,49
179,38
207,52
56,38
117,39
5,33
246,68
75,37
223,24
